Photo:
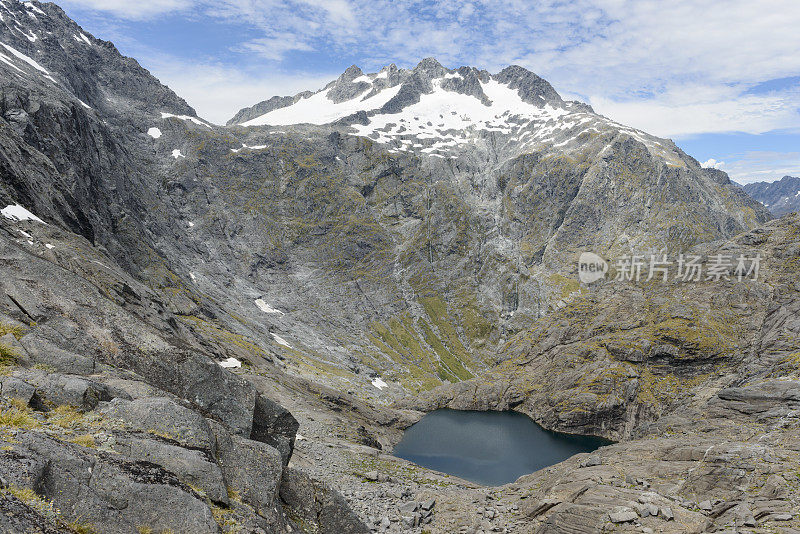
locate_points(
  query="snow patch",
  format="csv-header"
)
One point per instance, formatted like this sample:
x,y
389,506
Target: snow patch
x,y
185,118
319,109
230,363
24,58
7,60
191,224
18,213
177,154
48,246
266,308
255,147
279,340
379,383
84,104
33,8
452,119
155,133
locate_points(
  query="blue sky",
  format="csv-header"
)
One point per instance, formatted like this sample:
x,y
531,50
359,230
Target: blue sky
x,y
723,82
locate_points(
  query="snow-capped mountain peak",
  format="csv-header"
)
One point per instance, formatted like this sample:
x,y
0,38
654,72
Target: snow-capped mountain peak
x,y
435,111
428,109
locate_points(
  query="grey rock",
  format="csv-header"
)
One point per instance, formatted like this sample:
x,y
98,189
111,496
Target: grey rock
x,y
192,467
40,350
112,494
19,517
623,515
408,508
24,299
14,388
251,468
319,505
164,417
275,426
71,390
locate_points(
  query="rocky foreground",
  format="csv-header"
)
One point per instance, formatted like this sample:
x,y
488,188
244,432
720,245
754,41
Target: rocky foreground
x,y
226,329
101,434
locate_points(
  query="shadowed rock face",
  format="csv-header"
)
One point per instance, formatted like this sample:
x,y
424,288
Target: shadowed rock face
x,y
350,264
779,197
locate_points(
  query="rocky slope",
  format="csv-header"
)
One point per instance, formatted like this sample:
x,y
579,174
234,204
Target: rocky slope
x,y
168,285
779,197
343,256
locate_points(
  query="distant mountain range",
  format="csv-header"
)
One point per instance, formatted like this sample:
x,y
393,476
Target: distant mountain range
x,y
779,197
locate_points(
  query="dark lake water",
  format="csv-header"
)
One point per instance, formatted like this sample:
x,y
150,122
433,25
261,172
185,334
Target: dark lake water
x,y
489,448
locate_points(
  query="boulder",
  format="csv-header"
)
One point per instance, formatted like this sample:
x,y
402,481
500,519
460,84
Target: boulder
x,y
192,467
275,426
60,389
318,504
623,515
14,388
199,380
108,492
253,470
165,418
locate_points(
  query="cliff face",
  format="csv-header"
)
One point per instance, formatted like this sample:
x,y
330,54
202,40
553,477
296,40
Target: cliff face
x,y
184,281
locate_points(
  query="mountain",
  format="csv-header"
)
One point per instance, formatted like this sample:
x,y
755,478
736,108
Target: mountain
x,y
780,197
208,328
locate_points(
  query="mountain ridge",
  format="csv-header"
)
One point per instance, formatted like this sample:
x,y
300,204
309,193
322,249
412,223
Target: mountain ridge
x,y
304,293
354,83
780,197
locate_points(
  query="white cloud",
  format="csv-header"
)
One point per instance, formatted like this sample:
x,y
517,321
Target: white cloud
x,y
762,166
672,68
218,92
713,164
704,109
136,9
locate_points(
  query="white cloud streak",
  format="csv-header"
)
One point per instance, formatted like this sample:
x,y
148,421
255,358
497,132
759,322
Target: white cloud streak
x,y
134,10
217,92
758,166
671,68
